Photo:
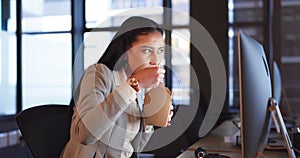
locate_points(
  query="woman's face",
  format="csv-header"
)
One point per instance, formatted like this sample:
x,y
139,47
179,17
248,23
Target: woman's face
x,y
147,50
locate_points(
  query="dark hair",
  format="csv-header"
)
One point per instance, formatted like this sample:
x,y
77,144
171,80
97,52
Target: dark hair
x,y
123,39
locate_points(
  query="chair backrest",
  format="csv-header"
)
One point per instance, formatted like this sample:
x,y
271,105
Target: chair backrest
x,y
45,129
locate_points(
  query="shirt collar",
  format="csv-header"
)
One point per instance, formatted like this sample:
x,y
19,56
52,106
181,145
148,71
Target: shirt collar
x,y
119,76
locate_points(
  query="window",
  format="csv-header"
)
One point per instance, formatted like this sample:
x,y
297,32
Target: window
x,y
246,15
46,15
47,72
8,58
44,43
249,16
290,56
111,13
38,47
46,52
181,66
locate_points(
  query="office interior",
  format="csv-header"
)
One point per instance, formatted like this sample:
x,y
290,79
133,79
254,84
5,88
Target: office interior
x,y
42,42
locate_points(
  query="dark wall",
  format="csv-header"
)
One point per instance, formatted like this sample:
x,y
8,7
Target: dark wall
x,y
213,16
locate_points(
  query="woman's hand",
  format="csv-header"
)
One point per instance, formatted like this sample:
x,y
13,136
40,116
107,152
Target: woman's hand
x,y
170,115
149,76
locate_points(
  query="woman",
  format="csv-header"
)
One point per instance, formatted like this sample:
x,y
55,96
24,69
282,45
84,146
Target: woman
x,y
107,119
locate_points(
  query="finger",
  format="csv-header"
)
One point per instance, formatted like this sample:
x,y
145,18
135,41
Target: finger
x,y
161,71
172,107
171,115
168,90
160,77
155,84
169,124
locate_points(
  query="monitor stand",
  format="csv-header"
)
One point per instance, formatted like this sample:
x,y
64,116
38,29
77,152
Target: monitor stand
x,y
275,122
273,108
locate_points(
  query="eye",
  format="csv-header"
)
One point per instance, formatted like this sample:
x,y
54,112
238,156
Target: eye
x,y
160,51
147,51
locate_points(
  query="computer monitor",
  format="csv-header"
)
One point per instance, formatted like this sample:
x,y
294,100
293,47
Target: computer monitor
x,y
255,91
277,88
256,102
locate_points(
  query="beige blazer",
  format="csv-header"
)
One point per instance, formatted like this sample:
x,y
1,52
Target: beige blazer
x,y
106,118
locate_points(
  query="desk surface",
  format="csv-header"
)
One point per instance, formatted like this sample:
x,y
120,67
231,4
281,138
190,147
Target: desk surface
x,y
214,143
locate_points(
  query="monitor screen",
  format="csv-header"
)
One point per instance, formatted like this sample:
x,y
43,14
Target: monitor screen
x,y
277,83
255,91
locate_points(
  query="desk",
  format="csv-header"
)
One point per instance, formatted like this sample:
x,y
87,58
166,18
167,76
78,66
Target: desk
x,y
214,143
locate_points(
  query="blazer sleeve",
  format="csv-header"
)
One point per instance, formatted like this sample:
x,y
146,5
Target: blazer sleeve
x,y
99,104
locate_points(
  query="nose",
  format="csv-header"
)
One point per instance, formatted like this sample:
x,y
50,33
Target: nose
x,y
154,60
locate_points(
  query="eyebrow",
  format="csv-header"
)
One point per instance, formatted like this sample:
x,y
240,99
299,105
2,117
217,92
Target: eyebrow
x,y
151,47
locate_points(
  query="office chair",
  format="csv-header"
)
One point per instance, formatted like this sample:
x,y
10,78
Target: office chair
x,y
45,129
